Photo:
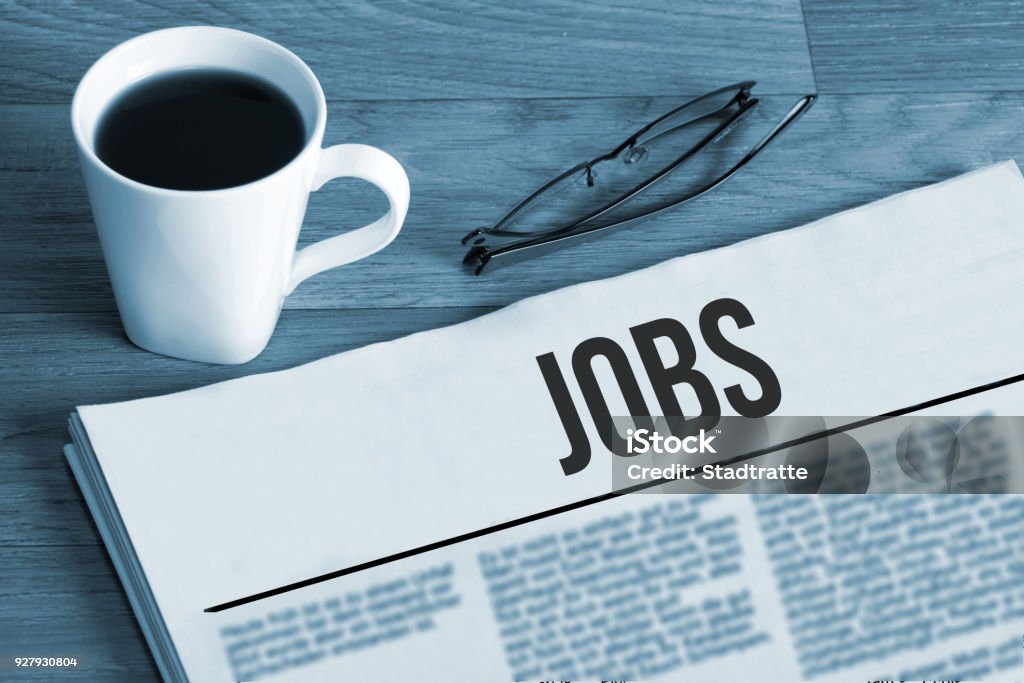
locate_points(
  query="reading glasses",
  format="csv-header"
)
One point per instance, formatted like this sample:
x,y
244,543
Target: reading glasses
x,y
635,180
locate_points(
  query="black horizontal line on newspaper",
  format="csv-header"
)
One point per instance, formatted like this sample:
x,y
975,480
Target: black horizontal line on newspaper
x,y
436,545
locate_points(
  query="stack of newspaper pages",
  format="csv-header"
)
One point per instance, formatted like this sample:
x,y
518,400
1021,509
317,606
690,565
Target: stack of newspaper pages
x,y
411,510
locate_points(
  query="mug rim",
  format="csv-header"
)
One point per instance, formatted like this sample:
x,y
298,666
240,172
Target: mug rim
x,y
87,148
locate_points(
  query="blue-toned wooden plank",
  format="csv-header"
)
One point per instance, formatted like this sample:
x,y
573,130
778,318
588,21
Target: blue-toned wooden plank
x,y
872,46
68,602
470,161
405,50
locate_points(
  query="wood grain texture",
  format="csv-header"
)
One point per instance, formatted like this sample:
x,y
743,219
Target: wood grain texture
x,y
68,601
481,102
404,49
469,162
65,347
847,151
874,46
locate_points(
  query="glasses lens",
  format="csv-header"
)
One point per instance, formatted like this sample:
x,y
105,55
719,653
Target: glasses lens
x,y
591,188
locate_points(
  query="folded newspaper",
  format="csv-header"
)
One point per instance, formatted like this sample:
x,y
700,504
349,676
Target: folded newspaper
x,y
377,515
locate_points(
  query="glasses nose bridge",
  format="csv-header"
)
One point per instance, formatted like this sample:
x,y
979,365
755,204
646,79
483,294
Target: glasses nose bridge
x,y
476,235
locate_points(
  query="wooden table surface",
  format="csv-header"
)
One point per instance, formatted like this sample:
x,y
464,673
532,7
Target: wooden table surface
x,y
481,102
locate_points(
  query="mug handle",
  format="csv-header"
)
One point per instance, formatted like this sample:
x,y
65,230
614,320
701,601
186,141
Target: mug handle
x,y
370,164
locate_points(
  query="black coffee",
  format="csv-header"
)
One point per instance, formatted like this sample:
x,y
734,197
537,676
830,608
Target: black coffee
x,y
200,129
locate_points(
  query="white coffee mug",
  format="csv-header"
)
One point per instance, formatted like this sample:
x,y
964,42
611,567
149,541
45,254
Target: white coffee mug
x,y
203,275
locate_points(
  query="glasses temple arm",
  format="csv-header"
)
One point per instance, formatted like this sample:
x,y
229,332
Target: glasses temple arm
x,y
797,110
801,106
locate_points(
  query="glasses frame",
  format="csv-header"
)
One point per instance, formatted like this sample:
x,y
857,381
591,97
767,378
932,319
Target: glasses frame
x,y
482,255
